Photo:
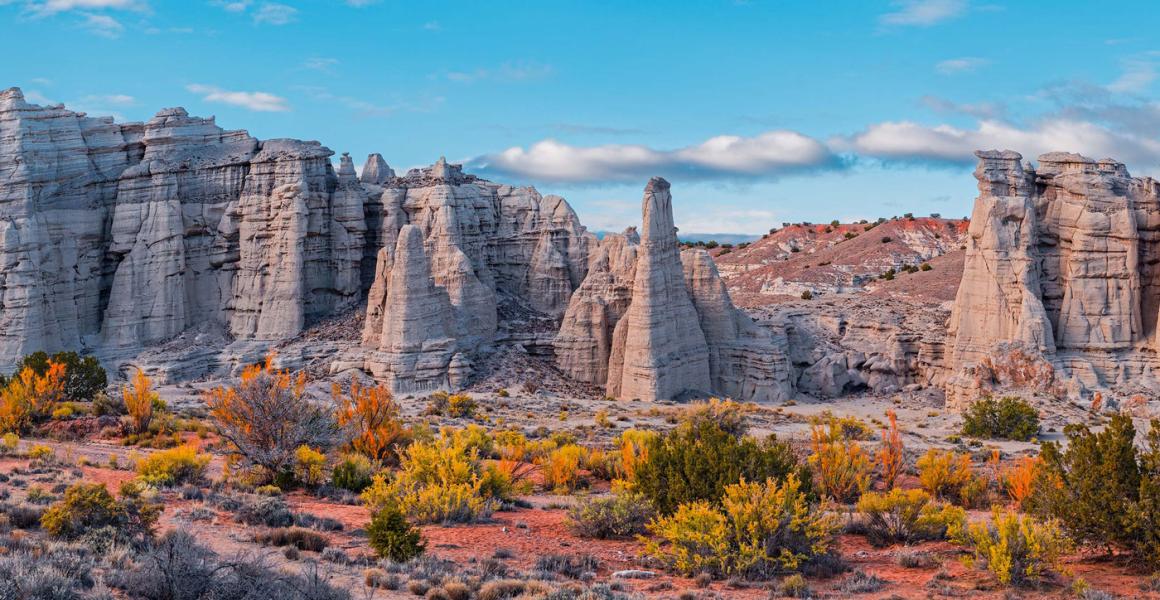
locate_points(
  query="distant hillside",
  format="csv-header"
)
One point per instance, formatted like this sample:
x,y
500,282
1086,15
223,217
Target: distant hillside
x,y
847,257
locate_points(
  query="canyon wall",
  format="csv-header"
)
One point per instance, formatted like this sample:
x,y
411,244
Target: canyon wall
x,y
1061,288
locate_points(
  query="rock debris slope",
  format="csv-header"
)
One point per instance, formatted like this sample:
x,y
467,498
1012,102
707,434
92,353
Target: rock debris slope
x,y
652,323
1061,288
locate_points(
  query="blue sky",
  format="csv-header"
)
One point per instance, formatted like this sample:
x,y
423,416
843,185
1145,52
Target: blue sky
x,y
758,111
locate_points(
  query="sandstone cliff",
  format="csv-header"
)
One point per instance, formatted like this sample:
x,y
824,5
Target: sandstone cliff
x,y
1060,285
652,323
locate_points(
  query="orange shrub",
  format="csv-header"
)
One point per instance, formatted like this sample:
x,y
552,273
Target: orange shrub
x,y
1019,481
841,466
139,398
29,397
372,416
266,416
890,452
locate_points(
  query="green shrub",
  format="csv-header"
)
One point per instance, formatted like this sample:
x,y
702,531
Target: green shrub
x,y
84,377
622,516
759,530
1015,548
392,537
698,459
1104,491
353,472
175,466
87,507
906,516
795,586
1009,418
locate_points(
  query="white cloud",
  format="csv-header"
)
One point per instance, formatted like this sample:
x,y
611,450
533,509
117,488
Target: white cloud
x,y
361,3
736,221
325,65
923,13
272,13
767,154
102,25
507,72
257,101
239,6
432,26
959,65
109,99
908,141
364,108
981,110
52,7
1138,75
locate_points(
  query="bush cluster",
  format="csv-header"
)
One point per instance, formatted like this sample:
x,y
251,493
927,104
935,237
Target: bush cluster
x,y
176,466
758,530
1009,418
907,516
698,459
621,516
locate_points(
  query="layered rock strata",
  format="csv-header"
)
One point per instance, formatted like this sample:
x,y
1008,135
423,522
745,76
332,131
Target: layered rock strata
x,y
118,237
652,323
1060,288
485,243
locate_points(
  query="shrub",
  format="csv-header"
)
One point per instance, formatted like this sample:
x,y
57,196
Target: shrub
x,y
795,586
9,443
760,529
1009,418
1016,548
632,452
354,472
728,415
841,466
87,507
41,454
889,455
620,517
454,405
561,468
438,482
84,377
861,582
698,459
309,466
1102,489
392,537
807,295
925,267
30,397
916,559
175,466
302,539
139,400
906,516
1019,481
372,418
178,568
944,474
270,511
267,416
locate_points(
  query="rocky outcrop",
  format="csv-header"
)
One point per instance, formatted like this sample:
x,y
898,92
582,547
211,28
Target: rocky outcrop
x,y
1060,270
118,236
651,323
484,244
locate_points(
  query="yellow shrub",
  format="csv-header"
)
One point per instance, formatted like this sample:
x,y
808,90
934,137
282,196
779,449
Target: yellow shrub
x,y
944,473
9,443
173,467
1016,548
139,399
633,450
841,466
309,466
41,453
62,413
437,481
906,516
561,468
759,530
29,398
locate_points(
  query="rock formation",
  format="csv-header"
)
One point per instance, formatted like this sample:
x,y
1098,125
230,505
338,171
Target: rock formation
x,y
486,244
1060,285
652,323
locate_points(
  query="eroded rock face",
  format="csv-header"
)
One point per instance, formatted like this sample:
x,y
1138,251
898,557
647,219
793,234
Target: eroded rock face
x,y
484,243
118,236
652,323
1060,269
